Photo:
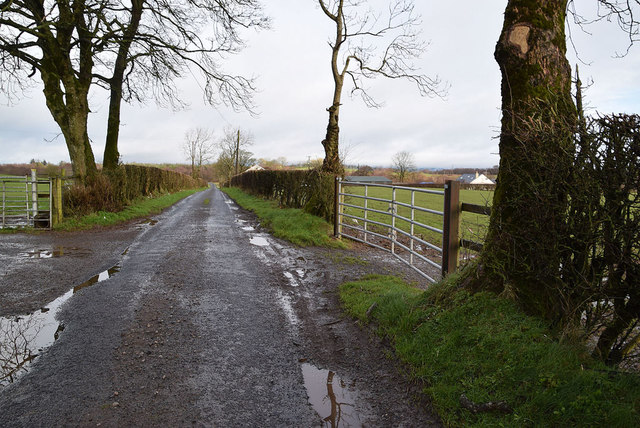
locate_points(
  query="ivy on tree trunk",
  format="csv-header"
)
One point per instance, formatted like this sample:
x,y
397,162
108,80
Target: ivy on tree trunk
x,y
522,254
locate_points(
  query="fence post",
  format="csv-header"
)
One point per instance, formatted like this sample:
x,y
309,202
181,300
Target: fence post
x,y
4,203
450,237
336,209
34,193
56,201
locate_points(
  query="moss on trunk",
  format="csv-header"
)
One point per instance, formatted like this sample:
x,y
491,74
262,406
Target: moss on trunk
x,y
522,251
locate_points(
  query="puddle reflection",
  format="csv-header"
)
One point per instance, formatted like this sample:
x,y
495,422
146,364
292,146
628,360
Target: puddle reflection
x,y
331,397
58,251
23,338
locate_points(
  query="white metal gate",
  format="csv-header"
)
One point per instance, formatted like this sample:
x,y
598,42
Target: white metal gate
x,y
26,201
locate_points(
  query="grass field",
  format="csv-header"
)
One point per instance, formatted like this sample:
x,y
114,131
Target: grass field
x,y
473,226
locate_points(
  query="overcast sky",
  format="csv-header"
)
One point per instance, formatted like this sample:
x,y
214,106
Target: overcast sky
x,y
291,62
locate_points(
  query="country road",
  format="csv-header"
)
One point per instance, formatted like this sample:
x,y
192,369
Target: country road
x,y
197,317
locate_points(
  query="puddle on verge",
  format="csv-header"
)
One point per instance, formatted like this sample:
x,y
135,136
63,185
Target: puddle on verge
x,y
259,241
22,338
291,278
331,397
287,307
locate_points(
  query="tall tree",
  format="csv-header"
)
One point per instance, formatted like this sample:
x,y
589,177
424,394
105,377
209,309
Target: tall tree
x,y
523,250
54,39
358,29
135,50
161,41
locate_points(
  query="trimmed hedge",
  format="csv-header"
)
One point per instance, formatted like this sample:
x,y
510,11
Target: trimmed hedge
x,y
112,190
310,190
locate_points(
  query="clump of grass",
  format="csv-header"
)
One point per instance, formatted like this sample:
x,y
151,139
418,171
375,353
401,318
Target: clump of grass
x,y
294,225
482,345
142,207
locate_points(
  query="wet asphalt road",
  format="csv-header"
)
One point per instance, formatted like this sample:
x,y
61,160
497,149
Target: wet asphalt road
x,y
243,371
208,322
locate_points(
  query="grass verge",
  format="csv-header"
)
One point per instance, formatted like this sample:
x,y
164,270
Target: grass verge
x,y
141,208
294,225
482,346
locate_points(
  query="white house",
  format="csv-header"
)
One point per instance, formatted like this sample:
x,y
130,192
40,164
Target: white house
x,y
475,179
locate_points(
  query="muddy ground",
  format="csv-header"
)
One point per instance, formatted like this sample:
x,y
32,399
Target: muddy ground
x,y
199,319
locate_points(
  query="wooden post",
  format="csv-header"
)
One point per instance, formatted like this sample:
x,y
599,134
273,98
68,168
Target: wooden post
x,y
451,237
336,209
56,201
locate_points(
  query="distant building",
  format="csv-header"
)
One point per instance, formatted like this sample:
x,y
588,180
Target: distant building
x,y
475,179
255,168
369,179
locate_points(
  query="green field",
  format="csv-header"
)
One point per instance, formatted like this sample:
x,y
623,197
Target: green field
x,y
473,226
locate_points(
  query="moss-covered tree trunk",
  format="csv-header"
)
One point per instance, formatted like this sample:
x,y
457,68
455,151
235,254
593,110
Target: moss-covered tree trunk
x,y
66,89
522,254
332,163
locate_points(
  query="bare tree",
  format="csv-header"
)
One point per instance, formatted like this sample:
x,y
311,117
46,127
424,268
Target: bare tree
x,y
234,158
162,41
372,45
403,164
198,147
135,51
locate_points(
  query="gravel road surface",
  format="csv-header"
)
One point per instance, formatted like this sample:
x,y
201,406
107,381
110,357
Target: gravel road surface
x,y
195,318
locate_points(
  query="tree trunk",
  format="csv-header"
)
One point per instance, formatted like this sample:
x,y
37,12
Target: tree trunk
x,y
523,245
111,155
332,163
70,110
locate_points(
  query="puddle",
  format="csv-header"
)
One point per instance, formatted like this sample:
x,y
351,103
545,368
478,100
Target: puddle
x,y
22,338
259,241
285,304
331,397
58,251
149,221
291,278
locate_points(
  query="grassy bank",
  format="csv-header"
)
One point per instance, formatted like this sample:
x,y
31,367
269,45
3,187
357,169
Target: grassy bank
x,y
142,207
294,225
482,346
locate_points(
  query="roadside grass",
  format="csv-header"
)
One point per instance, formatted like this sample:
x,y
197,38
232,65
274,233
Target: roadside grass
x,y
483,346
141,208
472,227
294,225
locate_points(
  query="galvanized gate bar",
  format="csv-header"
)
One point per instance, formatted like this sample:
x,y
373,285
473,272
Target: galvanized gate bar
x,y
392,212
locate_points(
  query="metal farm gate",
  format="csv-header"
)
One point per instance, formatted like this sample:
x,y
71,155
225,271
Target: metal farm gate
x,y
29,201
391,223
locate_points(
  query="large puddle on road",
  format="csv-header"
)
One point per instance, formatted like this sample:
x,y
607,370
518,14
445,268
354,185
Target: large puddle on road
x,y
57,251
331,397
22,338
